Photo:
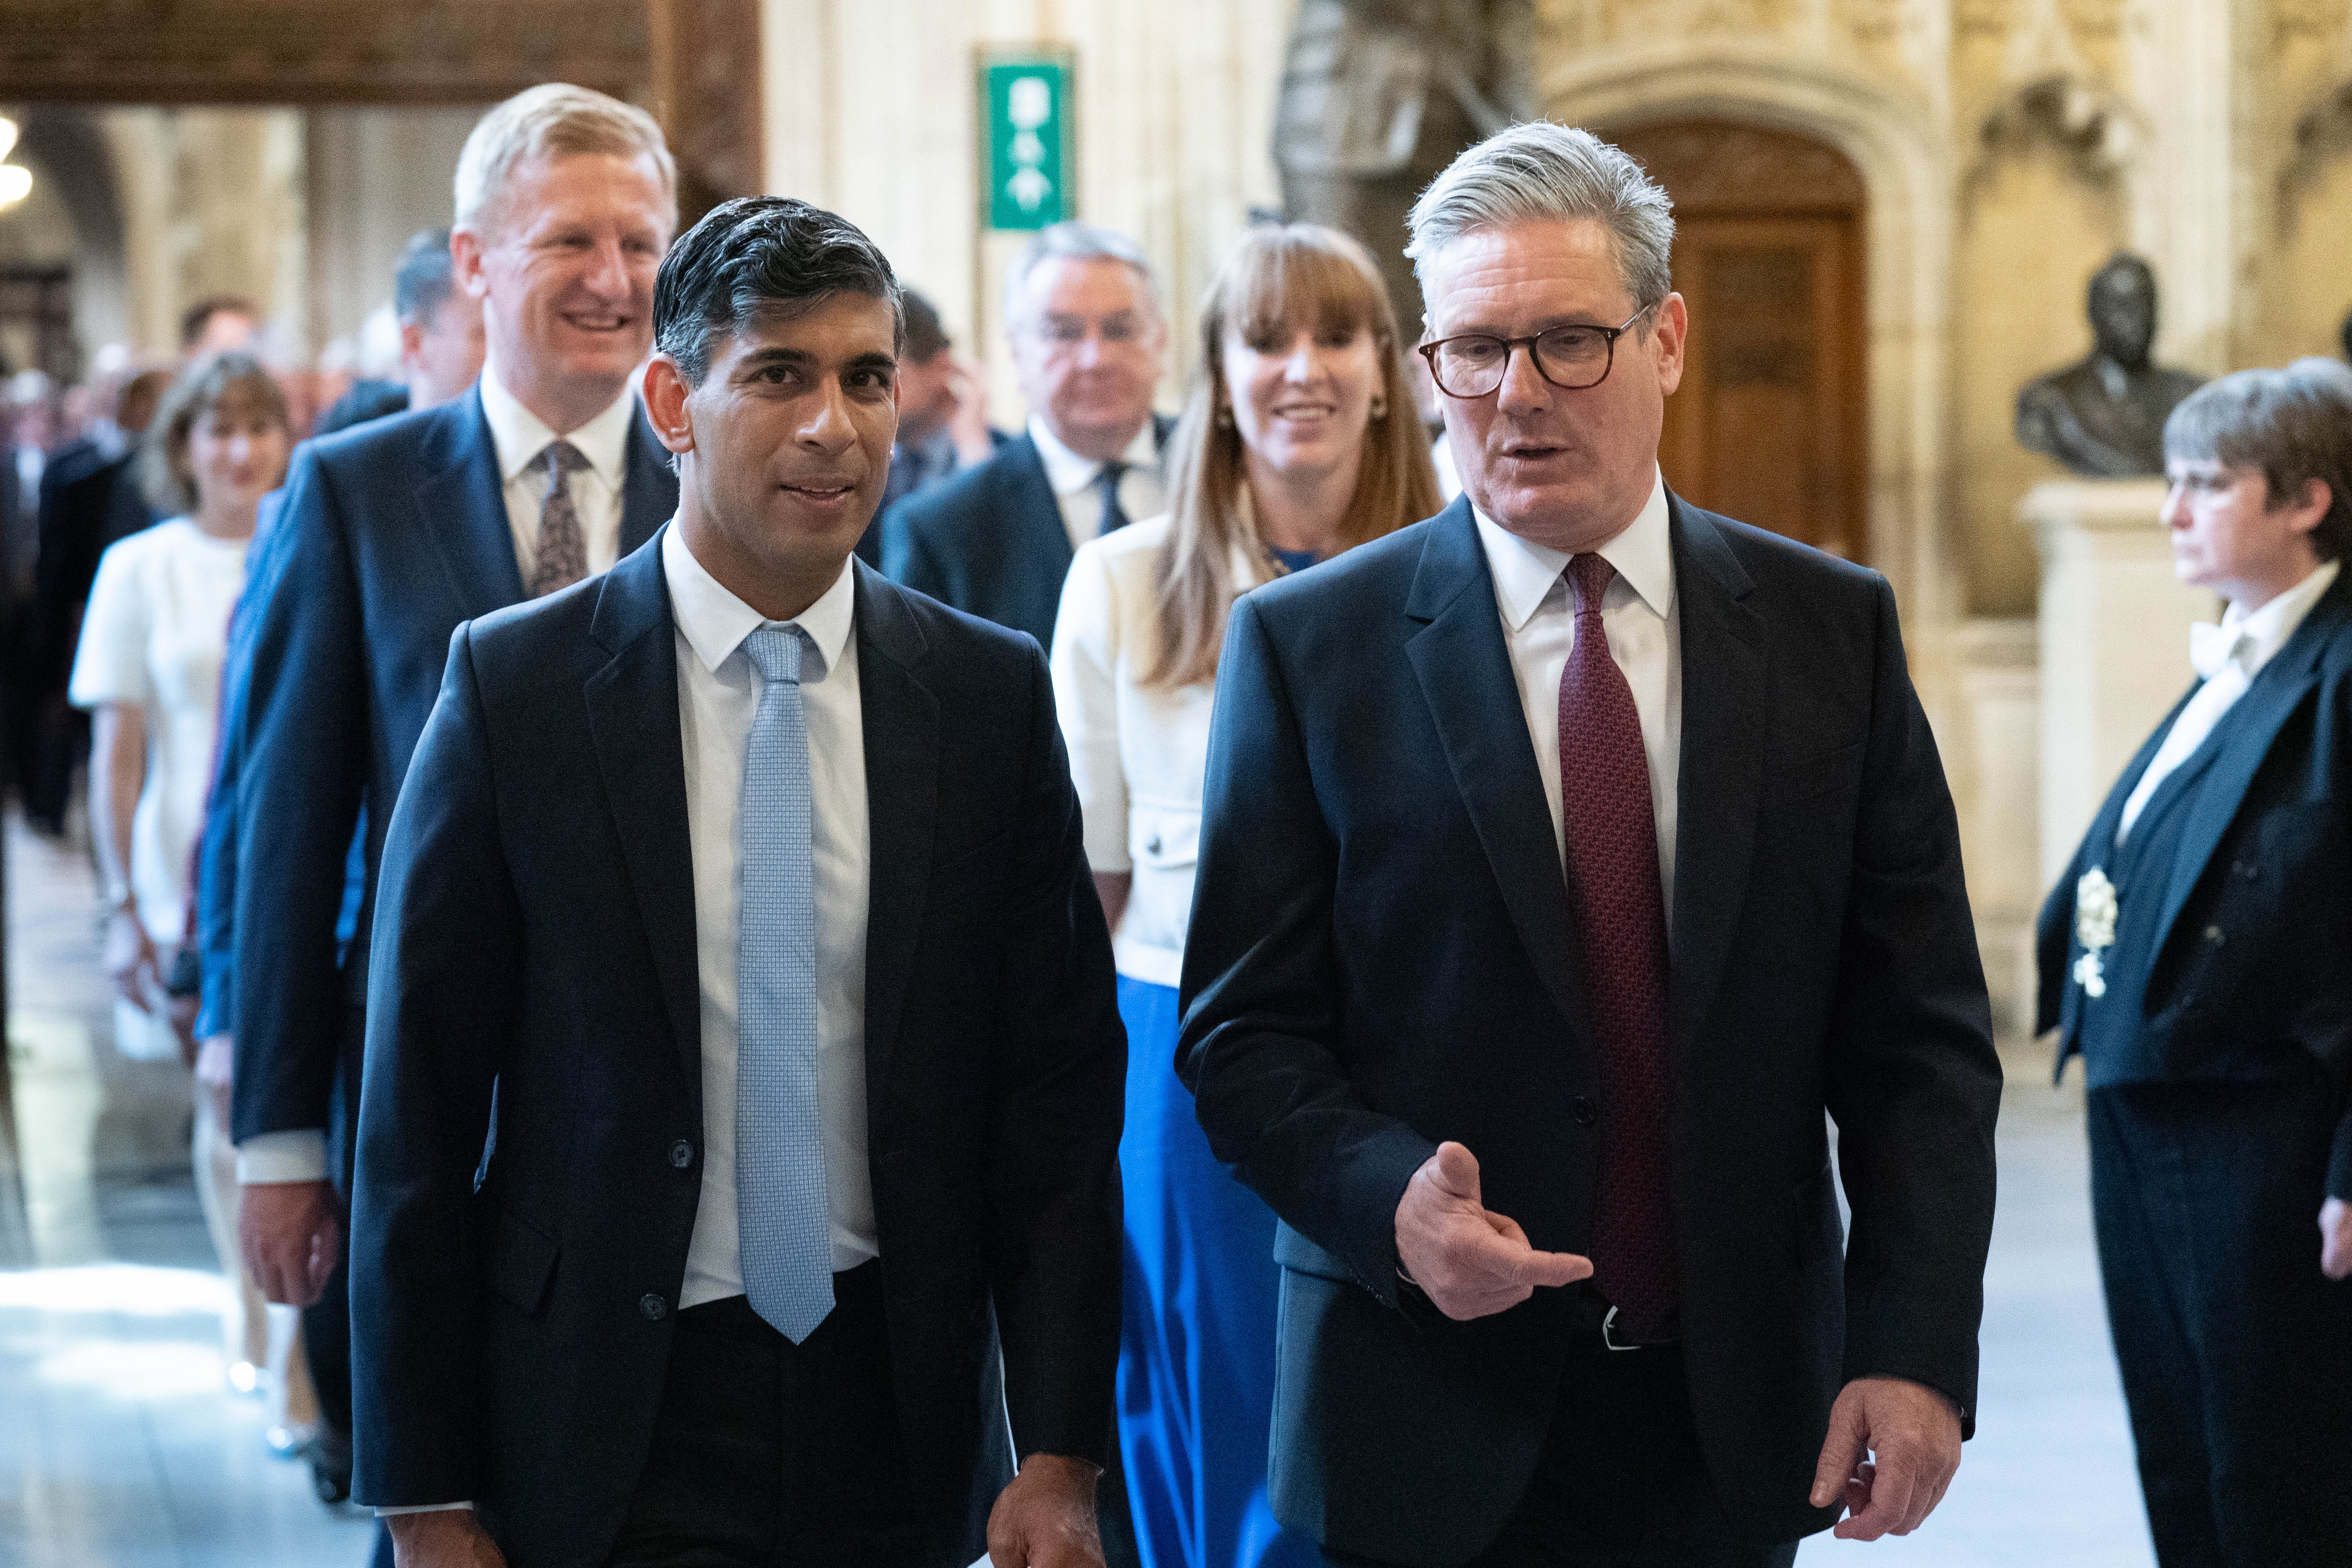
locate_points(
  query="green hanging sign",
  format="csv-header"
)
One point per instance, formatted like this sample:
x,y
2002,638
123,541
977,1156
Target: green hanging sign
x,y
1026,153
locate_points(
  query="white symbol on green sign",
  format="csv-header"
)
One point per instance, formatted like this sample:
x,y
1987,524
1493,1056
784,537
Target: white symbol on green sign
x,y
1026,149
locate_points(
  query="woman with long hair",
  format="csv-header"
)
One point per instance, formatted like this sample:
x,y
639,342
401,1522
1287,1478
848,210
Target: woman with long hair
x,y
148,667
1297,442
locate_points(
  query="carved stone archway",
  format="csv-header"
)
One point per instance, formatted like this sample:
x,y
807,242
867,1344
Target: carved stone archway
x,y
1905,164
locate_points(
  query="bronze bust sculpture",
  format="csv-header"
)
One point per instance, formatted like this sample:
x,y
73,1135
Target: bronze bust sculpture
x,y
2103,416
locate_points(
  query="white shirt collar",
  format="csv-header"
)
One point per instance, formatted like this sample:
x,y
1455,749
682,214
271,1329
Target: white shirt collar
x,y
1524,571
1069,473
716,621
2250,638
521,435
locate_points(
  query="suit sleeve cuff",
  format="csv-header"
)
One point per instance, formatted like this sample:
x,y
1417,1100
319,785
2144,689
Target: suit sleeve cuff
x,y
271,1157
425,1508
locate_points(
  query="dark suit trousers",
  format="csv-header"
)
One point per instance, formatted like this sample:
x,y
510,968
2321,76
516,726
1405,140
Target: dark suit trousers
x,y
2236,1351
1621,1482
771,1455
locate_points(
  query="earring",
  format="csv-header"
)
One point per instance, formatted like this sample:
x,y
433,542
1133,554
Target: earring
x,y
1224,416
1379,406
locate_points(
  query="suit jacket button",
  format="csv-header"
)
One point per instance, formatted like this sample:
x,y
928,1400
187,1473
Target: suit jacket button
x,y
654,1308
2247,869
1151,845
1581,1109
681,1154
2213,935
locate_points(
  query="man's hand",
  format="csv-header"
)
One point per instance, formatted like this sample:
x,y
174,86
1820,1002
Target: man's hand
x,y
1915,1434
448,1538
1045,1519
130,960
2336,1238
289,1234
1470,1262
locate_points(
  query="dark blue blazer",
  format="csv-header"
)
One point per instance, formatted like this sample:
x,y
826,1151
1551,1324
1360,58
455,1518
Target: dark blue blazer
x,y
990,541
1383,956
391,535
535,990
2251,970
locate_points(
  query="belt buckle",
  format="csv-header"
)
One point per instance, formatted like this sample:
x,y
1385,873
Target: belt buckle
x,y
1609,1340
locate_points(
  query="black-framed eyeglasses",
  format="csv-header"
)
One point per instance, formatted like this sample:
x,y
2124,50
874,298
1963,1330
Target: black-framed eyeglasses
x,y
1572,358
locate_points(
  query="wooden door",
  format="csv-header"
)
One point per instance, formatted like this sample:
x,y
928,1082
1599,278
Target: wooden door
x,y
1767,426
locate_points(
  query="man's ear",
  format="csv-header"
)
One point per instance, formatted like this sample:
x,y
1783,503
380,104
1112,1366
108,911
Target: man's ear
x,y
664,393
466,263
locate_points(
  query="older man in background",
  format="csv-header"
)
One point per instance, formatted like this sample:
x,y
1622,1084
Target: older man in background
x,y
392,535
1089,343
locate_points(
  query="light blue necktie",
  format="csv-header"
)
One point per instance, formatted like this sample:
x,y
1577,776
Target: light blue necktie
x,y
782,1215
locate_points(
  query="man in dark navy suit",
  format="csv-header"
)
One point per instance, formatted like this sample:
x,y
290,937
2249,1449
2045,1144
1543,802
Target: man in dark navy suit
x,y
1566,856
2198,954
391,535
1089,342
745,1078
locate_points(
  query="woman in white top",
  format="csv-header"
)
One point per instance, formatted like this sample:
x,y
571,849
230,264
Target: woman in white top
x,y
1297,442
148,667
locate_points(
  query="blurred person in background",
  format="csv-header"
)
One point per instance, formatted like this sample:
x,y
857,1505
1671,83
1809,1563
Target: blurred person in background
x,y
943,415
27,424
441,344
219,322
148,668
1299,440
1089,343
393,534
2197,955
99,505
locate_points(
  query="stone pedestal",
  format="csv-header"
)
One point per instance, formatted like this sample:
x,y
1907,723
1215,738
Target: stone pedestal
x,y
2113,640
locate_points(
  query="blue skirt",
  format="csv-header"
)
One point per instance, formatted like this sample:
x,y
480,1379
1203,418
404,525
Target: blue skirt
x,y
1196,1345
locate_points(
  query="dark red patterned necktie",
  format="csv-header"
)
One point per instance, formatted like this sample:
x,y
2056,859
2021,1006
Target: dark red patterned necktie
x,y
1621,927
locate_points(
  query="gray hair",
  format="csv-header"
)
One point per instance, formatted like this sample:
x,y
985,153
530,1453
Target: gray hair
x,y
1540,170
1073,242
553,119
2293,425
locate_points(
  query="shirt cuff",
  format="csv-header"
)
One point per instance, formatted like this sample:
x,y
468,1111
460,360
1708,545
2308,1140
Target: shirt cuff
x,y
272,1157
425,1508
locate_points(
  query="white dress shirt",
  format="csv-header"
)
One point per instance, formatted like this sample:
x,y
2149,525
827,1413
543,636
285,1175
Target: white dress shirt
x,y
718,694
519,436
2228,657
1645,629
1140,492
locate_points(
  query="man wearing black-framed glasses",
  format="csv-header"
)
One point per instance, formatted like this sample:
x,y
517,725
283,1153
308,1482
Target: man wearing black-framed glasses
x,y
1564,859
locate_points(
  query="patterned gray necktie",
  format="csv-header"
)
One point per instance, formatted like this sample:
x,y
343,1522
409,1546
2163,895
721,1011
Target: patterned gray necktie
x,y
562,558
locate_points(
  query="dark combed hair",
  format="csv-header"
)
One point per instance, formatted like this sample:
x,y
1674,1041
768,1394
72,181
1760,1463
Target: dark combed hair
x,y
198,316
425,276
762,257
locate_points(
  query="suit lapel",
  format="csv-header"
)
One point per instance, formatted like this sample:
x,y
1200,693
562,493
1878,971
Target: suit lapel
x,y
2268,703
1725,692
2098,850
633,716
463,505
1035,513
648,488
1465,679
901,726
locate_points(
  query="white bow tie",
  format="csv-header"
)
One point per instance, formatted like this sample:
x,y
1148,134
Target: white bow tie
x,y
2212,649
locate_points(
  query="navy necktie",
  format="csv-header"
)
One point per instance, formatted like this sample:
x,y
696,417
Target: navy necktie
x,y
1113,514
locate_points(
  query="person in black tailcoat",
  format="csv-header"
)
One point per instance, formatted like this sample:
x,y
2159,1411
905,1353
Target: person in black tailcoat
x,y
2196,954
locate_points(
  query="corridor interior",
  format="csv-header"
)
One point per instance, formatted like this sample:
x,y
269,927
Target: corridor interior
x,y
123,1446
